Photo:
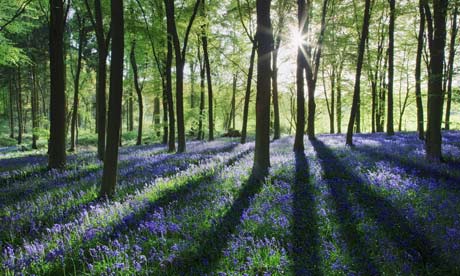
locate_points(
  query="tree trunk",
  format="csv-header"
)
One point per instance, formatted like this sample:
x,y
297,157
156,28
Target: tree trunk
x,y
139,93
418,67
11,100
192,85
339,101
450,70
130,109
390,125
56,148
265,45
276,110
19,105
332,120
435,95
233,113
81,41
247,95
165,111
34,105
204,41
156,115
169,96
109,177
359,66
202,88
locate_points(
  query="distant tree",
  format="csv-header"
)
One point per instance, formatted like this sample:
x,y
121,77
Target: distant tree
x,y
437,42
180,54
56,148
103,40
450,64
207,65
300,122
359,66
109,177
138,87
390,125
264,38
418,70
18,84
34,105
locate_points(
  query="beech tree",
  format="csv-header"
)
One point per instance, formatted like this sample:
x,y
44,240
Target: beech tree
x,y
56,145
264,38
109,176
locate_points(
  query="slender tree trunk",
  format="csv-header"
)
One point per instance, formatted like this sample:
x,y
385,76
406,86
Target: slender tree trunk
x,y
81,42
359,66
390,125
130,109
247,95
165,111
207,65
233,116
265,46
300,122
139,93
339,99
169,95
332,119
56,148
435,82
450,70
11,100
109,177
202,99
276,110
192,85
34,105
418,69
19,105
181,147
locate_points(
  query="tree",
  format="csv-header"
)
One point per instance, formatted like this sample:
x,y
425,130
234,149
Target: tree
x,y
359,66
450,65
102,52
247,95
56,148
265,45
418,69
34,105
436,42
109,177
81,43
390,126
204,42
19,108
180,54
138,87
300,122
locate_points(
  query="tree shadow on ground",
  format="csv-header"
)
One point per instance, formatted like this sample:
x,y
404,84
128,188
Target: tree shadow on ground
x,y
131,220
204,259
304,230
417,168
344,183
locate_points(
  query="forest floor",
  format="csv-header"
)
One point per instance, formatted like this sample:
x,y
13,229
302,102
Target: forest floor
x,y
377,208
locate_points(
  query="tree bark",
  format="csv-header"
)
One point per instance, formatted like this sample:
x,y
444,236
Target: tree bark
x,y
247,95
11,100
390,124
437,42
19,105
450,69
276,110
169,96
418,69
265,46
56,148
34,105
109,177
202,96
204,41
81,42
138,92
300,122
359,66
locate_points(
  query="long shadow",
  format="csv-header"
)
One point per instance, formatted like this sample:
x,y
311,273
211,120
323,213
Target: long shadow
x,y
69,214
337,179
417,168
179,194
203,260
304,230
401,231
